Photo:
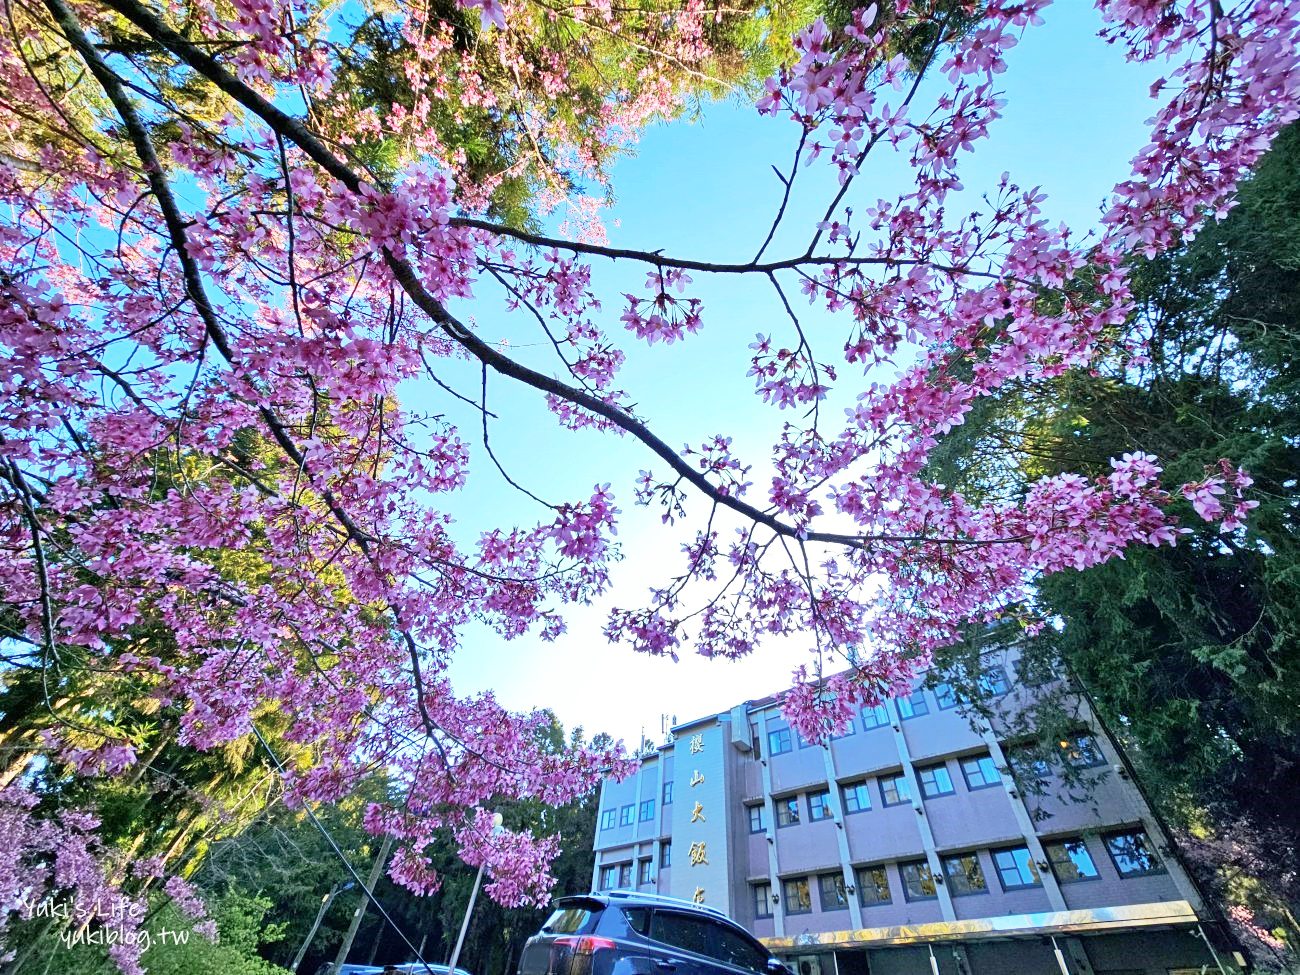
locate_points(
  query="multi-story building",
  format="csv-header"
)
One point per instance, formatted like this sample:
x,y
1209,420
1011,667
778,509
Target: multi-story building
x,y
905,845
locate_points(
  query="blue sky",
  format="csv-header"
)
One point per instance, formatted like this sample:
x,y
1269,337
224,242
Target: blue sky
x,y
1073,121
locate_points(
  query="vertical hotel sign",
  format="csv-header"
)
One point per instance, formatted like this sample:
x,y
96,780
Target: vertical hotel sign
x,y
700,819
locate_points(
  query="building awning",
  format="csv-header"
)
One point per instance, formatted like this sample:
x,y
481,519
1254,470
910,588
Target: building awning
x,y
1094,920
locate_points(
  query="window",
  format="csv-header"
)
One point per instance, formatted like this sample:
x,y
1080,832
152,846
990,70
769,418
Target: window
x,y
1032,673
607,875
1016,868
980,772
848,730
733,948
787,811
665,854
935,781
918,881
874,717
668,793
1029,766
893,789
647,810
819,805
914,706
1081,751
625,815
1070,860
857,797
566,920
964,874
778,741
643,875
993,682
608,818
797,898
685,931
1133,854
873,886
947,696
756,815
625,875
762,900
638,919
831,888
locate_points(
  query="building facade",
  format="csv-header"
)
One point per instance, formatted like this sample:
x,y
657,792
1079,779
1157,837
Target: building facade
x,y
904,845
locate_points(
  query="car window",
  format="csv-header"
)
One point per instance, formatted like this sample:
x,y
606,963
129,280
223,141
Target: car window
x,y
735,949
566,920
638,919
681,931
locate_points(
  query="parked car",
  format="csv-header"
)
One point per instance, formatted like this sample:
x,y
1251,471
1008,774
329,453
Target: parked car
x,y
630,933
424,968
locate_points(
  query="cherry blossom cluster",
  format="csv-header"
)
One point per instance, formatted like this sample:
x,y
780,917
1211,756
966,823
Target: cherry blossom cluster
x,y
52,866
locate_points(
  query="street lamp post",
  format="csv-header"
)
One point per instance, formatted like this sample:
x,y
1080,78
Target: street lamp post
x,y
469,908
325,903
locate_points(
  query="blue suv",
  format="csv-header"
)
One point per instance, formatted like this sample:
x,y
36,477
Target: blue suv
x,y
623,932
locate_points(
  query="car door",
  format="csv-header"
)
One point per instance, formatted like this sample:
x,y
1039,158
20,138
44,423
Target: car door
x,y
679,944
739,952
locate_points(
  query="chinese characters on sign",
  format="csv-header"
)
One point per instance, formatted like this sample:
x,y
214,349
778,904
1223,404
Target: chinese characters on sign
x,y
699,851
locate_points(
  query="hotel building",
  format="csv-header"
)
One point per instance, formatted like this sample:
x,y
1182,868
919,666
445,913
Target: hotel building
x,y
905,844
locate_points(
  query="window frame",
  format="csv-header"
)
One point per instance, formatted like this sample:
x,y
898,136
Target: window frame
x,y
665,854
979,761
757,812
667,796
843,892
608,874
907,891
644,875
783,736
858,873
646,813
997,673
876,711
827,812
916,703
1032,865
863,789
625,869
785,895
758,902
1061,843
790,805
1159,868
956,858
932,769
902,797
1089,743
1028,675
946,696
609,818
